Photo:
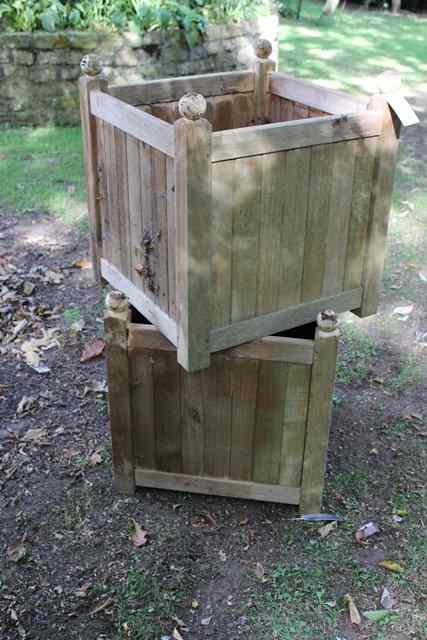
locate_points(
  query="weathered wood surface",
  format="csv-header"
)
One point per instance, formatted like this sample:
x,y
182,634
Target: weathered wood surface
x,y
141,125
318,421
119,392
88,84
172,89
271,138
193,223
382,189
217,486
315,96
237,419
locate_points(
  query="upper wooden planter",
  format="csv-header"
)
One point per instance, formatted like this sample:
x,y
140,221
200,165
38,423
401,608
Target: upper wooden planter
x,y
228,228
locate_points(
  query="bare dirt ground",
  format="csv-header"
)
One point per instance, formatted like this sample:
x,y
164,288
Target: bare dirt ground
x,y
212,568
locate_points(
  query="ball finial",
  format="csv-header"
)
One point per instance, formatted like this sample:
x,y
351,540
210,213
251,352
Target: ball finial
x,y
116,301
263,49
389,82
327,322
192,106
91,65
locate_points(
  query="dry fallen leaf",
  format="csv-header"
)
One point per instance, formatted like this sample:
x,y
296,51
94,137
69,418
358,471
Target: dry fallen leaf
x,y
95,458
26,404
139,536
17,552
36,437
205,621
92,350
352,609
176,634
391,565
327,529
82,591
223,556
260,572
83,263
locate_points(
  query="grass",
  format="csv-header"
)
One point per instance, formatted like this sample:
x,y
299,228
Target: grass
x,y
356,356
350,48
42,169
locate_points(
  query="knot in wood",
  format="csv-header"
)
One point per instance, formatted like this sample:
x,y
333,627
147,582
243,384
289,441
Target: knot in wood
x,y
91,65
192,106
116,301
263,49
327,321
389,82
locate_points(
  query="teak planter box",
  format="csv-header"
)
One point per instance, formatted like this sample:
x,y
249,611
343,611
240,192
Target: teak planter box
x,y
228,228
253,425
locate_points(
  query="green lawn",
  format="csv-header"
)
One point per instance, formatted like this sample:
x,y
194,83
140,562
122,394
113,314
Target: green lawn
x,y
348,50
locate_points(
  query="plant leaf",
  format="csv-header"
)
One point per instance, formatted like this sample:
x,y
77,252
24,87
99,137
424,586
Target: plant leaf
x,y
391,565
366,531
327,529
377,615
386,600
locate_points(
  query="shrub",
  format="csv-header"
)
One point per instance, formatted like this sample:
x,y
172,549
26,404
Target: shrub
x,y
190,16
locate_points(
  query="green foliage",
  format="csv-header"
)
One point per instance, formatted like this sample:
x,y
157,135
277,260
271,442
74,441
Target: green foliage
x,y
190,16
356,355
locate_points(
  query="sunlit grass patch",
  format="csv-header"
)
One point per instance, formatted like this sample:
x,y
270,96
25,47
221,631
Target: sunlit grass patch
x,y
42,169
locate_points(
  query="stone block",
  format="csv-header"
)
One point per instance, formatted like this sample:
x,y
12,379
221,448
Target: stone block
x,y
16,40
59,56
126,57
68,72
43,74
23,57
42,40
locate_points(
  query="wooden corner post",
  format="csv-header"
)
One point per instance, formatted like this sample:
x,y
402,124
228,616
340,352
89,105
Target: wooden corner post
x,y
263,65
115,326
92,80
319,413
382,188
193,135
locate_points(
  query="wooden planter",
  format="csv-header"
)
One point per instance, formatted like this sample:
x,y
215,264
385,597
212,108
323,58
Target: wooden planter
x,y
253,425
228,228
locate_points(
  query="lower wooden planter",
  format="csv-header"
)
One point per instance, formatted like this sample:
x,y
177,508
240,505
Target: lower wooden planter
x,y
253,425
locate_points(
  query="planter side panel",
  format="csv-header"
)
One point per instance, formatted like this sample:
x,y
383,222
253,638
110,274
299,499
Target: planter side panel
x,y
242,418
138,213
289,227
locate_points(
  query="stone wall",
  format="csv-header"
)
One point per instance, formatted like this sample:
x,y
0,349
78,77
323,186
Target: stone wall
x,y
39,71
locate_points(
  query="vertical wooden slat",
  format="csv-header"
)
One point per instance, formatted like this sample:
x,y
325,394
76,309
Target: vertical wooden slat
x,y
243,110
222,113
317,221
262,67
171,221
318,420
122,199
269,248
147,256
223,185
217,444
113,197
142,406
268,426
339,216
245,383
192,421
115,325
135,208
89,130
160,229
166,386
300,111
293,226
103,163
246,213
193,169
294,424
358,227
274,114
286,110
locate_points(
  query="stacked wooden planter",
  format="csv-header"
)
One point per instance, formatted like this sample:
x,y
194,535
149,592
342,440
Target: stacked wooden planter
x,y
225,218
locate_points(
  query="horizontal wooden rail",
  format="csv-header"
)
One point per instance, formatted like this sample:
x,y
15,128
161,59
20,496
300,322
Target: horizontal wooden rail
x,y
216,486
314,96
272,348
139,300
141,125
276,349
171,89
281,136
271,323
